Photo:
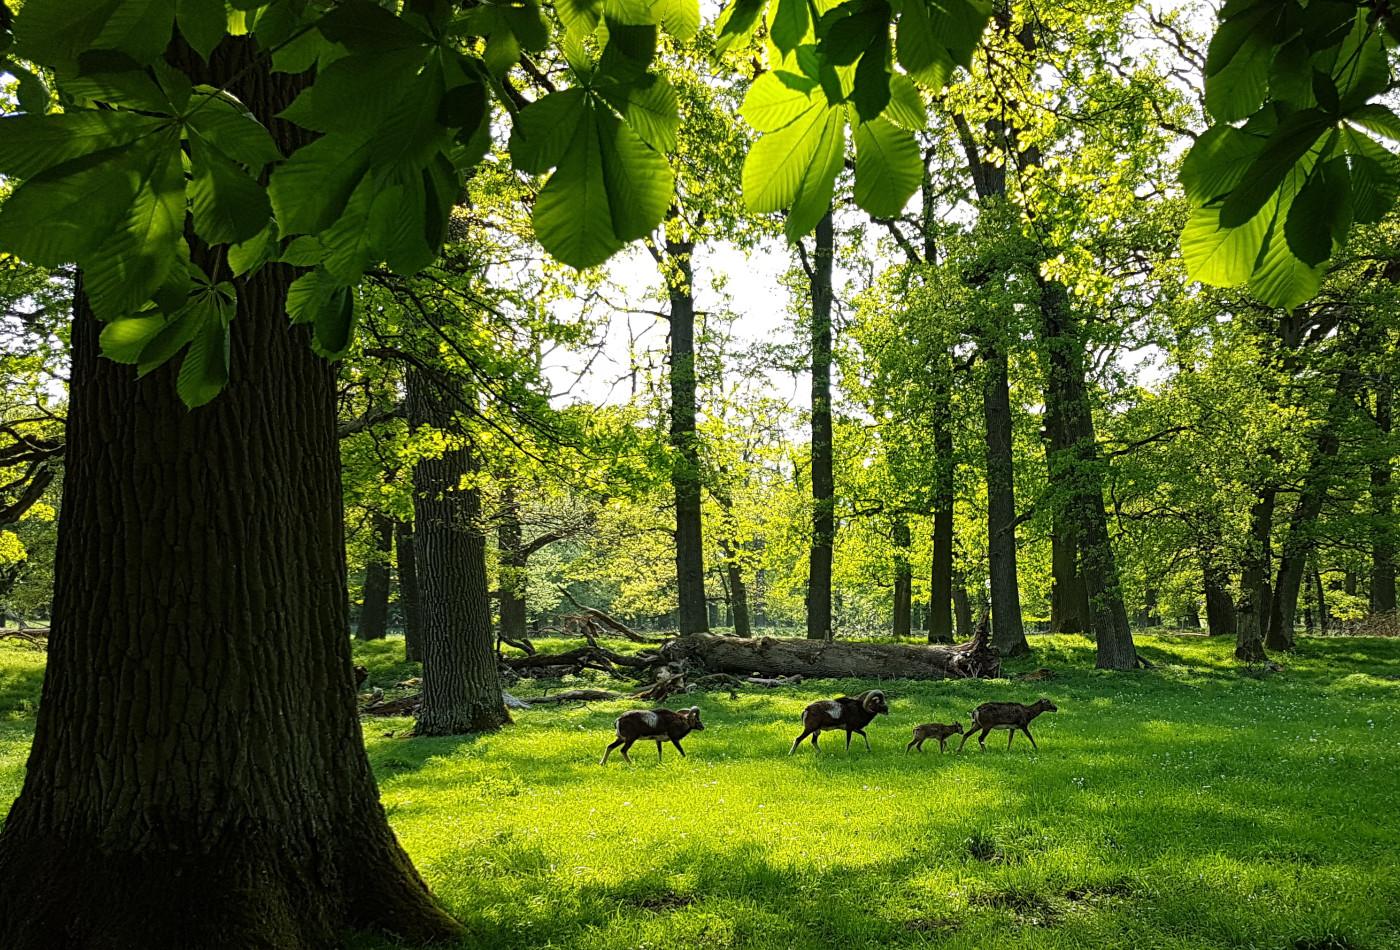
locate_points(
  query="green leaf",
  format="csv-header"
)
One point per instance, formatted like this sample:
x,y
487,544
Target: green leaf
x,y
1376,119
771,104
232,130
1240,88
139,28
544,129
844,38
228,205
580,17
818,185
307,295
1295,137
906,108
1218,161
1320,216
246,257
334,328
1222,256
572,217
889,167
681,18
737,22
357,94
309,191
653,112
350,242
775,164
203,23
362,25
30,144
123,340
1362,67
640,184
54,32
204,371
935,37
31,94
62,214
871,92
398,216
790,24
1375,176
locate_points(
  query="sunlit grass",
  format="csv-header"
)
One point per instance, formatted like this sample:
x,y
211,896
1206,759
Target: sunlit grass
x,y
1184,807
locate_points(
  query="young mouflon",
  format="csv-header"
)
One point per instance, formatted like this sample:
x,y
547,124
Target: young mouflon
x,y
934,730
657,724
851,713
1008,716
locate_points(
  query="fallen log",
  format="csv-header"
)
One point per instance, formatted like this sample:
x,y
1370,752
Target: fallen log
x,y
824,659
607,620
598,658
575,696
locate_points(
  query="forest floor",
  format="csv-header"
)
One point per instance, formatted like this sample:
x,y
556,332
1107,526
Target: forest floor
x,y
1188,806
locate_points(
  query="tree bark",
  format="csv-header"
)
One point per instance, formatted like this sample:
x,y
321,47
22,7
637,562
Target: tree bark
x,y
374,612
903,580
1069,600
738,593
940,611
1383,505
1220,609
962,606
819,619
512,560
461,685
1299,542
685,442
1008,635
1321,597
406,565
769,656
198,775
1252,617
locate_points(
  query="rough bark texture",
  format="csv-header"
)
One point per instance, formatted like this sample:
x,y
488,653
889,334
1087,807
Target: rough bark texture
x,y
962,606
1220,609
198,776
685,470
374,612
1383,505
1252,617
738,593
461,685
903,580
406,566
1008,634
940,610
769,656
512,560
1299,541
819,626
1069,600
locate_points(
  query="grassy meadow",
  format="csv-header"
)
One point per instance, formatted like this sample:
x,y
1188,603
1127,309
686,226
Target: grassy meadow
x,y
1188,806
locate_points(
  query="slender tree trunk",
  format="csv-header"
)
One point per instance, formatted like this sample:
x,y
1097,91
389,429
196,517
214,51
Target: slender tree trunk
x,y
1220,609
1008,635
1193,615
511,558
198,776
738,592
685,442
1383,505
374,614
1299,542
940,610
1252,617
903,580
406,565
461,685
962,608
819,626
1321,596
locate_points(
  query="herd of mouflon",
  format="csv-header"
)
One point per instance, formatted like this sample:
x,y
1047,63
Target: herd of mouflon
x,y
850,714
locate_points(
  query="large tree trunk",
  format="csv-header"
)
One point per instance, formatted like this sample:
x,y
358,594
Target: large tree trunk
x,y
406,565
1252,617
374,612
962,606
940,609
819,626
1008,635
685,469
903,580
461,685
198,777
511,559
1069,600
770,656
1383,505
1299,542
1076,468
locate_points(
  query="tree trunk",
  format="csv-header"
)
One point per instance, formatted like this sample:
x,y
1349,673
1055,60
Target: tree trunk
x,y
1321,597
738,593
1252,617
940,609
962,606
1193,615
198,776
374,613
1069,600
1383,505
461,685
1008,635
685,468
1220,609
783,656
903,580
511,559
1076,469
819,626
407,569
1299,542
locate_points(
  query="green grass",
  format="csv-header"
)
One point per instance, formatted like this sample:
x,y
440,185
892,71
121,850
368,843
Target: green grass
x,y
1184,807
